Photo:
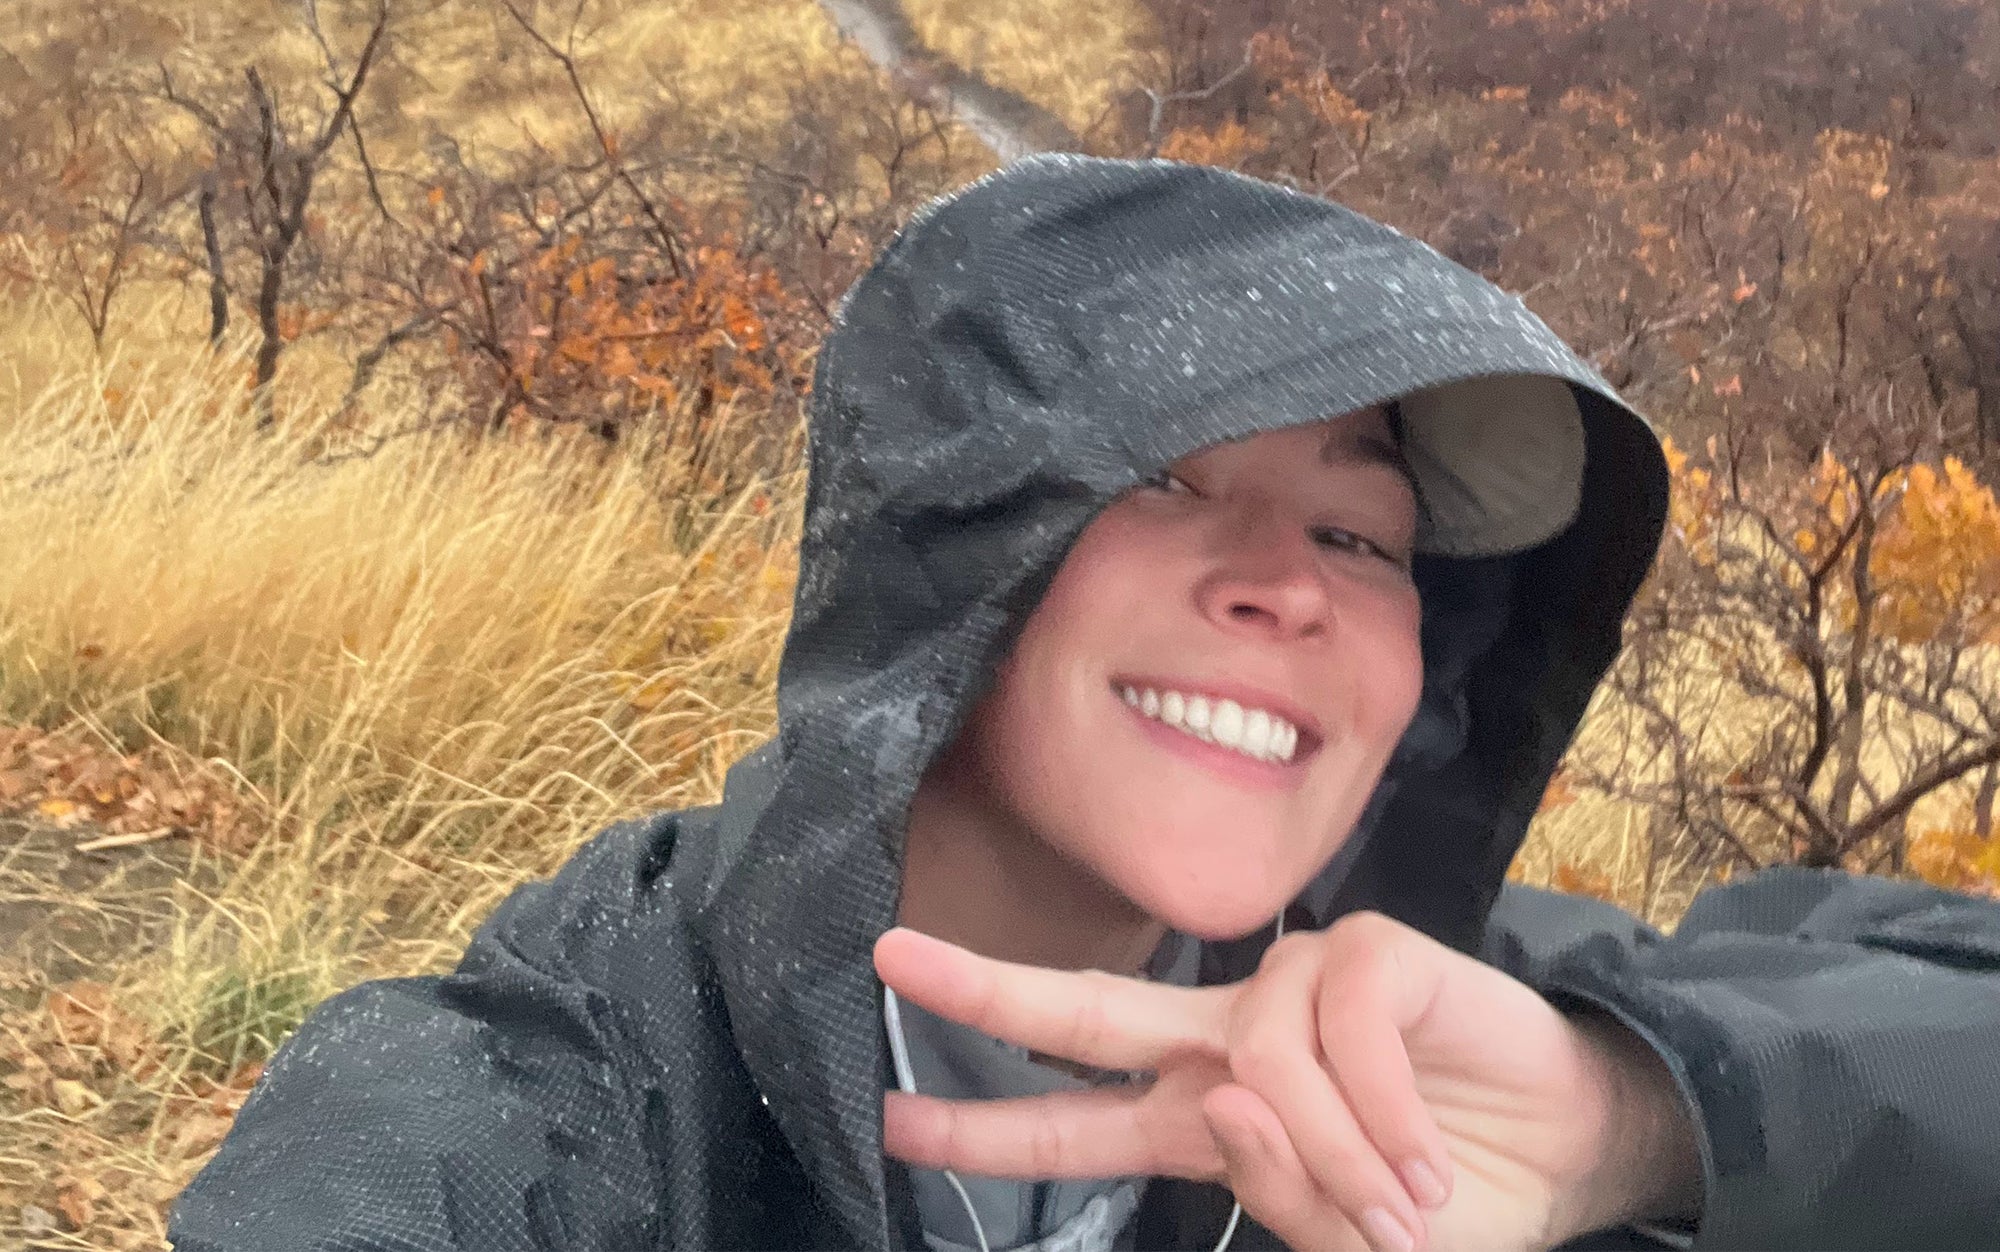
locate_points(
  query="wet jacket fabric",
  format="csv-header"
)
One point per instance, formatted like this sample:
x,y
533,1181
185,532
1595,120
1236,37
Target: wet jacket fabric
x,y
677,1041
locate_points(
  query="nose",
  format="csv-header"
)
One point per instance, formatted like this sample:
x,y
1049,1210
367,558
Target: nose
x,y
1268,579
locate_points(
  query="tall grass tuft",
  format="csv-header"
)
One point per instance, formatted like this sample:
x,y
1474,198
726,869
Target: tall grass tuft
x,y
431,663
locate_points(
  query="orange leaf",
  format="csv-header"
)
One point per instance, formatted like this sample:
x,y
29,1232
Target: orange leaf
x,y
78,1199
619,363
1577,880
61,812
1560,794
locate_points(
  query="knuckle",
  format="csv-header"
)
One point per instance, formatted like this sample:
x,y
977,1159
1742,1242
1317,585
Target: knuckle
x,y
1297,946
1091,1026
1364,944
1047,1147
1364,926
951,1139
1260,1060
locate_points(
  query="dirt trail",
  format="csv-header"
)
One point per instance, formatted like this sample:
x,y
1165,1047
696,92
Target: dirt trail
x,y
66,914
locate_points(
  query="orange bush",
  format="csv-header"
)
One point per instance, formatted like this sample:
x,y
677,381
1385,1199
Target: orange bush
x,y
596,329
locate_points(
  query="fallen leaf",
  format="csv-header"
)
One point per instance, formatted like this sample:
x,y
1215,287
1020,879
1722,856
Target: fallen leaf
x,y
62,812
77,1200
1561,793
1577,880
200,1133
80,1010
73,1097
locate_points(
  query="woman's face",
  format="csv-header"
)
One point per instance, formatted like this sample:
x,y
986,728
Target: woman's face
x,y
1199,709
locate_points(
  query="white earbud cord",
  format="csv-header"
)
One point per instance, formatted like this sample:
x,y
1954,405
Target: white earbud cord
x,y
899,1052
906,1079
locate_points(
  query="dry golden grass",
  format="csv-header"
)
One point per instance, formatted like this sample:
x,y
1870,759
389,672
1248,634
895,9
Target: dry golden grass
x,y
430,670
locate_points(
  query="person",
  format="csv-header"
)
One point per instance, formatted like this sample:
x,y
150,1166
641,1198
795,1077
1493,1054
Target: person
x,y
1200,584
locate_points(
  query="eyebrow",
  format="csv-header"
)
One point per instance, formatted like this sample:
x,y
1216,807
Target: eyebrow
x,y
1367,448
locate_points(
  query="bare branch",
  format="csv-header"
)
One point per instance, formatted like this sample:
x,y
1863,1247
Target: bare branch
x,y
668,238
1155,118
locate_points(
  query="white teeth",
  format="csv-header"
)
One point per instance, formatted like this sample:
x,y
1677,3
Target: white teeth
x,y
1227,727
1196,717
1256,739
1256,733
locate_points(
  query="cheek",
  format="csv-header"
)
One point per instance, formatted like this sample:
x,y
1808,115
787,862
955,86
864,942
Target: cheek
x,y
1390,678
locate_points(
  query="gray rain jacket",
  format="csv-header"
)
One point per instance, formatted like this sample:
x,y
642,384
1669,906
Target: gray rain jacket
x,y
677,1042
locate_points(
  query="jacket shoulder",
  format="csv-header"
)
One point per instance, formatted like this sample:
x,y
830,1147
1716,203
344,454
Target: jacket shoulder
x,y
516,1102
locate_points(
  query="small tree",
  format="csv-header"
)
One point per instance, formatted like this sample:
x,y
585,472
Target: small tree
x,y
1814,659
257,196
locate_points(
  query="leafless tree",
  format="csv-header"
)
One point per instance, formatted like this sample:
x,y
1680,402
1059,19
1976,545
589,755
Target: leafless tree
x,y
264,174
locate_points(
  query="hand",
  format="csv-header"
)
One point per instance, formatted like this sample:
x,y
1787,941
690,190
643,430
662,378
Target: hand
x,y
1368,1087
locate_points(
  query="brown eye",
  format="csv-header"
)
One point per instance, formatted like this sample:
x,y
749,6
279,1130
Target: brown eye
x,y
1341,540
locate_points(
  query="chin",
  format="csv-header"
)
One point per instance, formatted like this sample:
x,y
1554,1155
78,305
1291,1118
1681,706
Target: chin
x,y
1215,915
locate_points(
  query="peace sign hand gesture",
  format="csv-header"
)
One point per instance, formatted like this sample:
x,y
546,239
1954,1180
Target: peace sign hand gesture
x,y
1367,1088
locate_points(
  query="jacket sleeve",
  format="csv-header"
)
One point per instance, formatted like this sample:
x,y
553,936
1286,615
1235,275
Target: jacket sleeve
x,y
491,1110
1837,1039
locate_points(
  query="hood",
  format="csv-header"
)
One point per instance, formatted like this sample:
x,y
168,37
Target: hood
x,y
1024,351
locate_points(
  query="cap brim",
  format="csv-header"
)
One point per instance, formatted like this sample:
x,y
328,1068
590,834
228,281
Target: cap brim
x,y
1498,462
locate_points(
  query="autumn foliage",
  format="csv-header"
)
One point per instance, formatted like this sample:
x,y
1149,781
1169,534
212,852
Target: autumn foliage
x,y
405,414
1811,672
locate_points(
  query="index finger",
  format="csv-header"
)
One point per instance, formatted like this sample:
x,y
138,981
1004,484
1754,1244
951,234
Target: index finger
x,y
1083,1015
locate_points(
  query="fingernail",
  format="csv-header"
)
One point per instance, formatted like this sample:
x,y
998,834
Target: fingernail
x,y
1424,1184
1385,1233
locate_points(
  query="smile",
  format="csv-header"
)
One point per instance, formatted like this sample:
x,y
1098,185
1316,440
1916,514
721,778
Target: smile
x,y
1257,733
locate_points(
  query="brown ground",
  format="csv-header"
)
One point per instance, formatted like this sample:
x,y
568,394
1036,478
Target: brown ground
x,y
68,920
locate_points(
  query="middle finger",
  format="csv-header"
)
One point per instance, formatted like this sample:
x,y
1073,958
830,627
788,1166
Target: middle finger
x,y
1274,1051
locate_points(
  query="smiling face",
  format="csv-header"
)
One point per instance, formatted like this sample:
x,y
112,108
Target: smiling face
x,y
1200,707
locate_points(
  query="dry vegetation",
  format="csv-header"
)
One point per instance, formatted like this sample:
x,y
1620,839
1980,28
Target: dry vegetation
x,y
467,524
381,685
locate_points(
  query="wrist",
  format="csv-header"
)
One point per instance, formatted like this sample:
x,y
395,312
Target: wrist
x,y
1646,1166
